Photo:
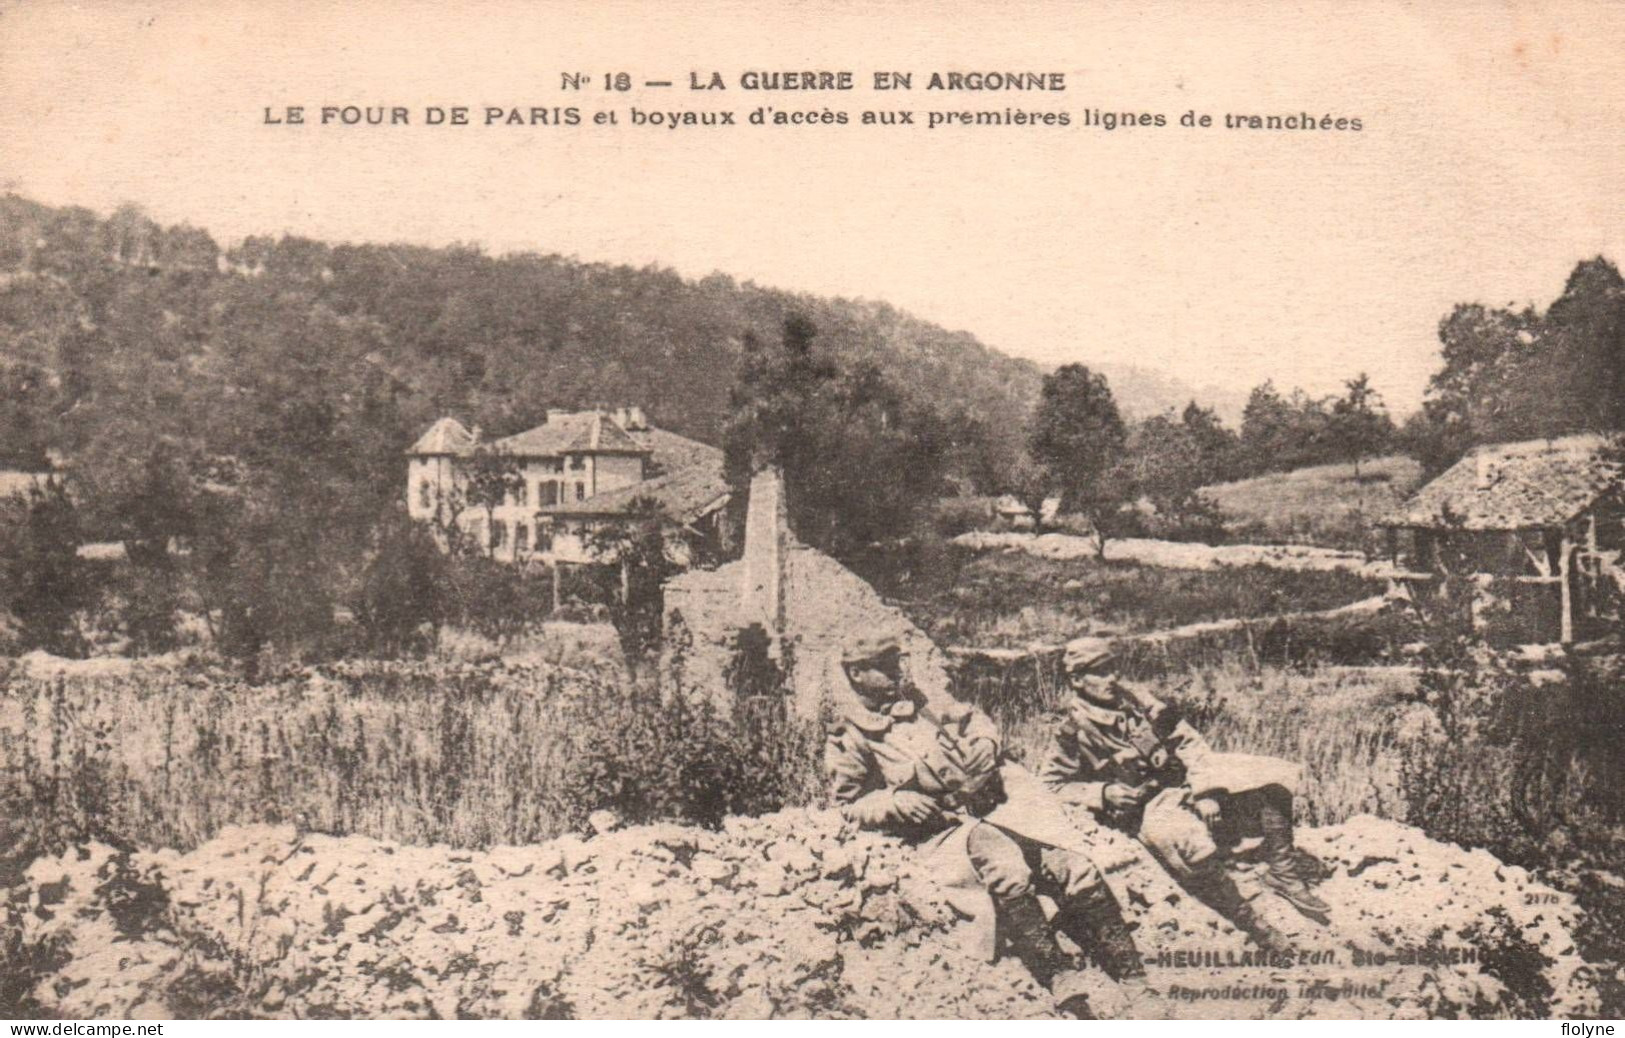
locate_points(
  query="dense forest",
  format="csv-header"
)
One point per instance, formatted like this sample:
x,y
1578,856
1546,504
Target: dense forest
x,y
120,326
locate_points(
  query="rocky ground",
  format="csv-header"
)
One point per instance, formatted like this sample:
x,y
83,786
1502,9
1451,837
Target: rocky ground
x,y
788,915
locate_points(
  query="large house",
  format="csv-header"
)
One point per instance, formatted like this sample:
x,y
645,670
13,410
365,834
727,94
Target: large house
x,y
1538,527
576,472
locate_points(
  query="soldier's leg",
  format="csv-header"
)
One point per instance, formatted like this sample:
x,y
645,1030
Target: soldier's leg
x,y
1267,813
1180,841
1086,910
1003,870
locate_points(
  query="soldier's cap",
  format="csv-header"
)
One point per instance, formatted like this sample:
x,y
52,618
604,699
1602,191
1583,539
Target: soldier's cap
x,y
1088,655
871,650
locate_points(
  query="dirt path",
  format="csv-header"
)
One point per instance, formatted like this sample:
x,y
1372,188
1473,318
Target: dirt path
x,y
1181,555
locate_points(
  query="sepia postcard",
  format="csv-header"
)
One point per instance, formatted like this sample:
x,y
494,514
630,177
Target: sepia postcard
x,y
556,510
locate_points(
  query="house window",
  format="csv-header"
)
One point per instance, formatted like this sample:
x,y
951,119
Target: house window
x,y
425,495
544,537
522,494
521,538
578,461
581,491
558,464
498,534
547,493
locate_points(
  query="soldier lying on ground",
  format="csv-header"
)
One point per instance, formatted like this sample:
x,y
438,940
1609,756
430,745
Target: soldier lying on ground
x,y
929,769
1131,760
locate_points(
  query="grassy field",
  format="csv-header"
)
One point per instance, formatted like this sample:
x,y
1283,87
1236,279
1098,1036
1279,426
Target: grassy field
x,y
1324,505
1012,598
498,753
428,751
1343,725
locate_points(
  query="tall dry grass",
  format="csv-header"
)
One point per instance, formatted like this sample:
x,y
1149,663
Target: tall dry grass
x,y
436,751
1342,724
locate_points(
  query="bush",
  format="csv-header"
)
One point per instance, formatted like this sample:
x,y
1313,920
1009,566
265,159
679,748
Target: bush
x,y
680,760
498,600
404,588
43,582
1527,766
953,516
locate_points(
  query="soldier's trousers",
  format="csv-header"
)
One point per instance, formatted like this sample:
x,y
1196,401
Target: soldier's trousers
x,y
1012,866
1178,838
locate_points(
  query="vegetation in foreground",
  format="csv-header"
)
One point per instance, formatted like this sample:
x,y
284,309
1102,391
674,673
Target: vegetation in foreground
x,y
438,751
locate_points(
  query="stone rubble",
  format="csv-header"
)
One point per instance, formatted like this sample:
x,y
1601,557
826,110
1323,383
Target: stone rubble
x,y
793,914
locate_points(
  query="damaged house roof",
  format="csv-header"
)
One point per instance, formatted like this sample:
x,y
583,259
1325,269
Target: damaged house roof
x,y
1514,486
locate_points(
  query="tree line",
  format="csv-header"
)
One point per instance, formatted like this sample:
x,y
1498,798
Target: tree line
x,y
1506,374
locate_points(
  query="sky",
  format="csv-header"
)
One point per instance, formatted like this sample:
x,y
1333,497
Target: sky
x,y
1490,161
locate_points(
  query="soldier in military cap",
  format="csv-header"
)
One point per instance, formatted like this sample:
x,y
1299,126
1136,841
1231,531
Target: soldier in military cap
x,y
930,770
1134,762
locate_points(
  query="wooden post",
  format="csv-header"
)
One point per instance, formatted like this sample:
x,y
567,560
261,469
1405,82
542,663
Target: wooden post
x,y
1566,633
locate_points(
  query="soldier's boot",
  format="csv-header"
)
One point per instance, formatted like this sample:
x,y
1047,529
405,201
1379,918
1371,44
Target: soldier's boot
x,y
1094,920
1211,885
1033,942
1283,868
1309,868
1246,919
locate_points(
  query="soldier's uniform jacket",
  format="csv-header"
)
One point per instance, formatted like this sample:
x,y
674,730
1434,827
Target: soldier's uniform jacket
x,y
1096,746
871,756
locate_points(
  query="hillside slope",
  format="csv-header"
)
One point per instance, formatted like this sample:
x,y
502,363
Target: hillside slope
x,y
109,307
1322,505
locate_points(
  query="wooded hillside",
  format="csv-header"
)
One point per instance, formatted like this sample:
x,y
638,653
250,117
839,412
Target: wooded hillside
x,y
120,323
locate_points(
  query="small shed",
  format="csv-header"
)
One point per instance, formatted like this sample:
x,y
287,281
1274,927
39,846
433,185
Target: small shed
x,y
1539,527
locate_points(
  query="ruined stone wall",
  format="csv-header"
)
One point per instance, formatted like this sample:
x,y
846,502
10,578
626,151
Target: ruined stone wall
x,y
809,604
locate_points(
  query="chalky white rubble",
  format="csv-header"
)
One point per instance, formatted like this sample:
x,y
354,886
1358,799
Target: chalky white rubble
x,y
791,914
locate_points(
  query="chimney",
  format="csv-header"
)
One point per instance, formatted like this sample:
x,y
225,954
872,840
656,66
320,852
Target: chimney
x,y
765,527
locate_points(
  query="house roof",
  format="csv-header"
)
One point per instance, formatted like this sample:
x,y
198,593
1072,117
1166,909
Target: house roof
x,y
446,436
669,452
1513,486
686,495
685,475
571,432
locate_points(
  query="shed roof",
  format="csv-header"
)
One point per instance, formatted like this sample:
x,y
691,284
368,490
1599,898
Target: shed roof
x,y
1513,486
